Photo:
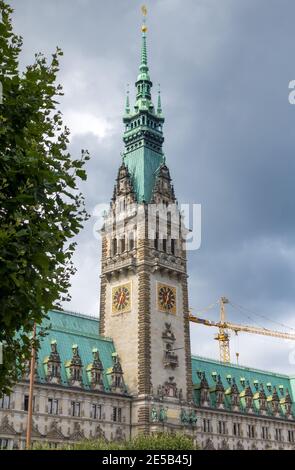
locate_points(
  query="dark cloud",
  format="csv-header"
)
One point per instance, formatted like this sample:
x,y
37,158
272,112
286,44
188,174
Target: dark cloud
x,y
224,68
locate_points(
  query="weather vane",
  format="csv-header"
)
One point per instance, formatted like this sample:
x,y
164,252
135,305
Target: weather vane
x,y
144,14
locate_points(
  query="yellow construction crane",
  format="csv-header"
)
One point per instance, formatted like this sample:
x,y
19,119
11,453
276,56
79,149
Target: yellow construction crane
x,y
223,327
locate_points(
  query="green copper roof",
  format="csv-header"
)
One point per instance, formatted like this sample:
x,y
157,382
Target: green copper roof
x,y
68,329
143,135
143,69
243,377
143,164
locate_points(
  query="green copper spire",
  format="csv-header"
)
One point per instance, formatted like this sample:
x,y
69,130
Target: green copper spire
x,y
143,82
143,135
143,69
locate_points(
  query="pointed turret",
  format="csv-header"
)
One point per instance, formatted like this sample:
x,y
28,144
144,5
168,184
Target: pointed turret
x,y
127,105
159,107
143,83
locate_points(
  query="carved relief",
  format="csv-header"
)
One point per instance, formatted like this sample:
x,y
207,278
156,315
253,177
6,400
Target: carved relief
x,y
170,359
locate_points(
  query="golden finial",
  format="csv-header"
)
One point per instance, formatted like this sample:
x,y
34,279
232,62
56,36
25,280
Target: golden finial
x,y
144,13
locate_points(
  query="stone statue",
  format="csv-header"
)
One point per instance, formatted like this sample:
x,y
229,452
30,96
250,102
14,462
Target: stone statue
x,y
193,418
154,415
162,415
183,417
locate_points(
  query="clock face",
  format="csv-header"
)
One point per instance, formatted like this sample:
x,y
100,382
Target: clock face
x,y
166,298
121,298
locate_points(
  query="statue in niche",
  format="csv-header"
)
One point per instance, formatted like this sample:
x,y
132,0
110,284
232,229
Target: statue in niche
x,y
154,415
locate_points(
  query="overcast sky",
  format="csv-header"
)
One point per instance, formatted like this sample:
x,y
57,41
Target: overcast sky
x,y
224,68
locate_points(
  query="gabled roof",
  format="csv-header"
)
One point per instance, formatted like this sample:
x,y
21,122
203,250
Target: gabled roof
x,y
6,428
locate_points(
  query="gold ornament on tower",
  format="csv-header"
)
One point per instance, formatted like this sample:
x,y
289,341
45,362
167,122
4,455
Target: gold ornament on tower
x,y
144,14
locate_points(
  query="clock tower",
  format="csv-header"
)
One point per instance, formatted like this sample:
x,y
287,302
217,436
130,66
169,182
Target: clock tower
x,y
144,296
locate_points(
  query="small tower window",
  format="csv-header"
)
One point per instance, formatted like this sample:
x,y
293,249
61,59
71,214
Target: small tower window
x,y
156,242
169,223
131,242
173,246
114,246
164,244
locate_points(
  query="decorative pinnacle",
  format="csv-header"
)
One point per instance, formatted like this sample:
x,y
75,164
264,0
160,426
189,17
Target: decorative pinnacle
x,y
127,107
159,109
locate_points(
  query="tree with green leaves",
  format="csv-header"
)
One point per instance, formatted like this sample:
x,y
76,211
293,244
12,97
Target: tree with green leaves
x,y
41,207
155,441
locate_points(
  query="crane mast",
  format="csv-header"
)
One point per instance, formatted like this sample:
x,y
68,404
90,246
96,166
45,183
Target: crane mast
x,y
223,335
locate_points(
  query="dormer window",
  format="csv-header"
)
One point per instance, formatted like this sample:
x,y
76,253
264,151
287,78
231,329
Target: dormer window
x,y
53,364
74,367
116,372
95,371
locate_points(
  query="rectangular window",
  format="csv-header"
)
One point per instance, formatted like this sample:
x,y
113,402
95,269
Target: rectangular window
x,y
164,244
237,429
206,425
278,434
117,414
4,444
156,243
221,427
26,403
52,406
5,402
75,408
96,411
251,431
173,246
291,436
265,432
